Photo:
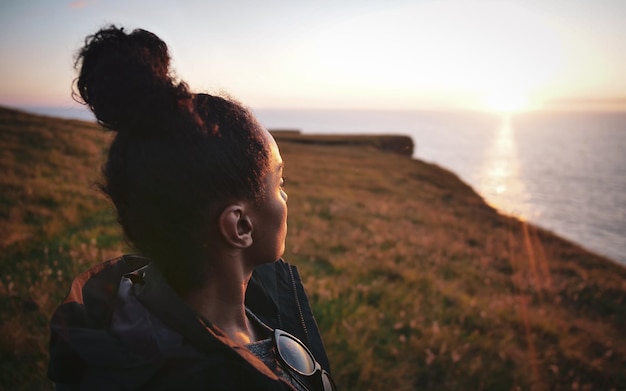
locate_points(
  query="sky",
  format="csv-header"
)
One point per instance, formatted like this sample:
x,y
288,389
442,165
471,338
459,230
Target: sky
x,y
501,55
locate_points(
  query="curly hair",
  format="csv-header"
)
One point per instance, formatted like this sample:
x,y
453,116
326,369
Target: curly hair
x,y
176,155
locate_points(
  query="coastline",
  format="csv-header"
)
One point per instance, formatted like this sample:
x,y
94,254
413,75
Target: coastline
x,y
488,154
400,258
402,145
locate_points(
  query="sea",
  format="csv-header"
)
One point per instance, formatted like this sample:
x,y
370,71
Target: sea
x,y
563,171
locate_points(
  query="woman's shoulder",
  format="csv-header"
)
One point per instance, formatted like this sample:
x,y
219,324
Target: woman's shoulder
x,y
85,314
93,292
111,270
103,328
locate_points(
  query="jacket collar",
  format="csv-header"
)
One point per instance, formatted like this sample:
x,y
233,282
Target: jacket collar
x,y
161,300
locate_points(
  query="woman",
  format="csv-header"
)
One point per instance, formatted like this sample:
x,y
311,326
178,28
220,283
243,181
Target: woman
x,y
197,185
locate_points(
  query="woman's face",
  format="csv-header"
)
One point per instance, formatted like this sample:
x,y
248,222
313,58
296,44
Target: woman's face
x,y
270,217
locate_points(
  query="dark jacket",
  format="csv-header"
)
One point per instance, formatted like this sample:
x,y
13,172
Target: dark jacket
x,y
121,327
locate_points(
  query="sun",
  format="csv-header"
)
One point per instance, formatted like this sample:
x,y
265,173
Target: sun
x,y
506,102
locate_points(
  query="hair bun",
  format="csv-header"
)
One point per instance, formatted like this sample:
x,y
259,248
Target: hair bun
x,y
125,79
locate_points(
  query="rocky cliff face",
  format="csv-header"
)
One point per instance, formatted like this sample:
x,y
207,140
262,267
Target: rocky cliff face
x,y
399,144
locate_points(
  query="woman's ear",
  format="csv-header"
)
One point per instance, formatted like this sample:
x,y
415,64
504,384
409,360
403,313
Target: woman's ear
x,y
235,226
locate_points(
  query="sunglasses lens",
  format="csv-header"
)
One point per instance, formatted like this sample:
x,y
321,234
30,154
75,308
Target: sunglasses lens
x,y
329,384
295,355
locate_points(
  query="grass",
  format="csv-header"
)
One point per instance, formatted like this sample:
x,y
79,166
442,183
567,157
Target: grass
x,y
415,282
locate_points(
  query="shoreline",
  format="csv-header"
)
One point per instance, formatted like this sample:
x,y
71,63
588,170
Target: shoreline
x,y
400,143
404,145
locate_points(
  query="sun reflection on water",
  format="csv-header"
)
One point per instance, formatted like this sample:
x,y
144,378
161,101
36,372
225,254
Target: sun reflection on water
x,y
500,178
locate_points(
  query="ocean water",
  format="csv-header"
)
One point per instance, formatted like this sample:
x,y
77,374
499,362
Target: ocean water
x,y
562,171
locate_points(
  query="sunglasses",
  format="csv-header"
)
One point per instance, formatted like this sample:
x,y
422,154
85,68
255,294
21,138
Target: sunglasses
x,y
298,358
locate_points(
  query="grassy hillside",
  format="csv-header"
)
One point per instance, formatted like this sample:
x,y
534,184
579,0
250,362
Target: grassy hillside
x,y
53,224
415,281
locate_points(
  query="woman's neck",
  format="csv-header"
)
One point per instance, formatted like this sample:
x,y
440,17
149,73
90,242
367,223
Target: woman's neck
x,y
221,302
